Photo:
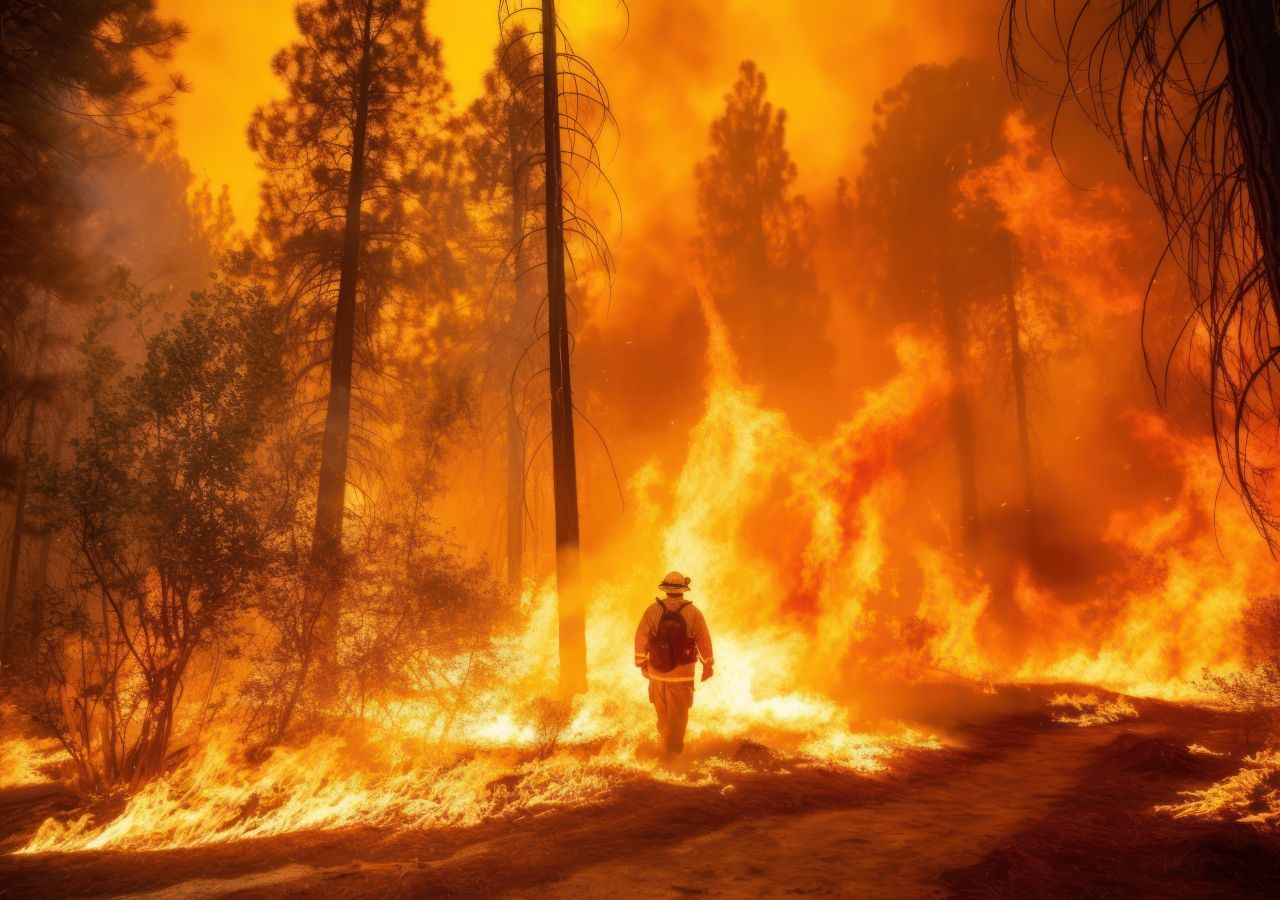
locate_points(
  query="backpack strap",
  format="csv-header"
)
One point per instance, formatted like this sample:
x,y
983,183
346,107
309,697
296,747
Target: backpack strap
x,y
662,608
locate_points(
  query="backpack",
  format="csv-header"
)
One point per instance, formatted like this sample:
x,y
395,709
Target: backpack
x,y
670,644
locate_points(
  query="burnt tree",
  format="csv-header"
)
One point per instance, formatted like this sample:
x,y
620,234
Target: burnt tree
x,y
575,113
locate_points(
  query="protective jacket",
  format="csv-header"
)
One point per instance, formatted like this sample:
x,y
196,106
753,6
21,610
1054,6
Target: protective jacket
x,y
695,625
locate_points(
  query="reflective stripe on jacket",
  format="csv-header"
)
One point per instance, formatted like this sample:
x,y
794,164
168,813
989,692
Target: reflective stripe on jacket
x,y
695,625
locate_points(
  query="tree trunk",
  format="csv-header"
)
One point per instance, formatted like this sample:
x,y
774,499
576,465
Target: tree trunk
x,y
515,434
961,414
1253,67
1018,371
15,543
573,648
515,497
20,504
43,543
326,545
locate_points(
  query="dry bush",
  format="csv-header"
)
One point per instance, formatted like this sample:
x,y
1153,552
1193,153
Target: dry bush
x,y
1255,691
550,719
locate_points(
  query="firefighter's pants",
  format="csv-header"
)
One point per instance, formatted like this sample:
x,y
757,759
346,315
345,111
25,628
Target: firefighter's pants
x,y
671,701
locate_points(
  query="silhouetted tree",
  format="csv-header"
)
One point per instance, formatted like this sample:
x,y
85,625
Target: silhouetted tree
x,y
932,129
757,243
502,137
355,164
575,112
162,525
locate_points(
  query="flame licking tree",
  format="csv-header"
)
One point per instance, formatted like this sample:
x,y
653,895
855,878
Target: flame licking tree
x,y
574,106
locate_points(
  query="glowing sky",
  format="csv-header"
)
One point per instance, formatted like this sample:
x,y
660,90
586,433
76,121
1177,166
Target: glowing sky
x,y
227,58
827,61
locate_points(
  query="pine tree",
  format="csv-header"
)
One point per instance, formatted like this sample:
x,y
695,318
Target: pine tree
x,y
574,114
502,133
933,128
757,243
353,216
72,77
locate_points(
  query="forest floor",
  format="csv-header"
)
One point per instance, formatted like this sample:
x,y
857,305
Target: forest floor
x,y
1016,806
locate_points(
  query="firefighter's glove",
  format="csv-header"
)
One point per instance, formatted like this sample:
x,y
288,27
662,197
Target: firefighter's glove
x,y
707,671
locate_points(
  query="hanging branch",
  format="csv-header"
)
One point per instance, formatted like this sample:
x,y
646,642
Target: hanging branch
x,y
575,116
1189,93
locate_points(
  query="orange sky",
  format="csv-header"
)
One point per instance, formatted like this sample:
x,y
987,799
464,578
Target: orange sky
x,y
227,57
827,61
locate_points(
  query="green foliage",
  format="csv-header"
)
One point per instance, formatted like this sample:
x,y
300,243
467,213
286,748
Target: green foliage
x,y
166,532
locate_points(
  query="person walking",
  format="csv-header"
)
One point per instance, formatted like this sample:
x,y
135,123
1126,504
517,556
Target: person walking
x,y
670,639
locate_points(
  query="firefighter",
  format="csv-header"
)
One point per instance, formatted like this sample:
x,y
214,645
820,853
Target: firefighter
x,y
671,637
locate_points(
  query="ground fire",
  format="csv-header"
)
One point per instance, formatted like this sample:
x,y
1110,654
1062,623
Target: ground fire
x,y
372,367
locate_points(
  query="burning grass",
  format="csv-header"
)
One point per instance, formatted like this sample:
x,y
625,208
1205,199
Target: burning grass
x,y
28,761
1251,795
215,798
411,764
1085,710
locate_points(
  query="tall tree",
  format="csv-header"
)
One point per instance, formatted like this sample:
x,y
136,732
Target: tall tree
x,y
72,76
354,160
1190,95
933,128
757,243
574,114
573,647
1018,372
502,131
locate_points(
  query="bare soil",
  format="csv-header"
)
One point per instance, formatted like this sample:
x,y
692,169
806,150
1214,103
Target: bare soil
x,y
1018,807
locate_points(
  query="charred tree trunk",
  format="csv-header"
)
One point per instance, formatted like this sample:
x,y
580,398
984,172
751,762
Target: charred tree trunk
x,y
15,542
326,545
1252,31
573,650
20,504
1018,368
961,414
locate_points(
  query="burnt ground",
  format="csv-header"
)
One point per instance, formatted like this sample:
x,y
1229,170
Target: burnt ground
x,y
1019,807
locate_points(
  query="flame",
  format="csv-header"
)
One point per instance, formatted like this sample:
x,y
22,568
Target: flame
x,y
502,756
1251,795
791,542
28,761
1085,710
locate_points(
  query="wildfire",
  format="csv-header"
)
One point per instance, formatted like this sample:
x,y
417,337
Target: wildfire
x,y
1090,709
501,758
1250,795
792,608
27,761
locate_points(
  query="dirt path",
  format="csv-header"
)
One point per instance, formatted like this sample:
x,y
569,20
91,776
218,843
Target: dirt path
x,y
893,849
807,832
